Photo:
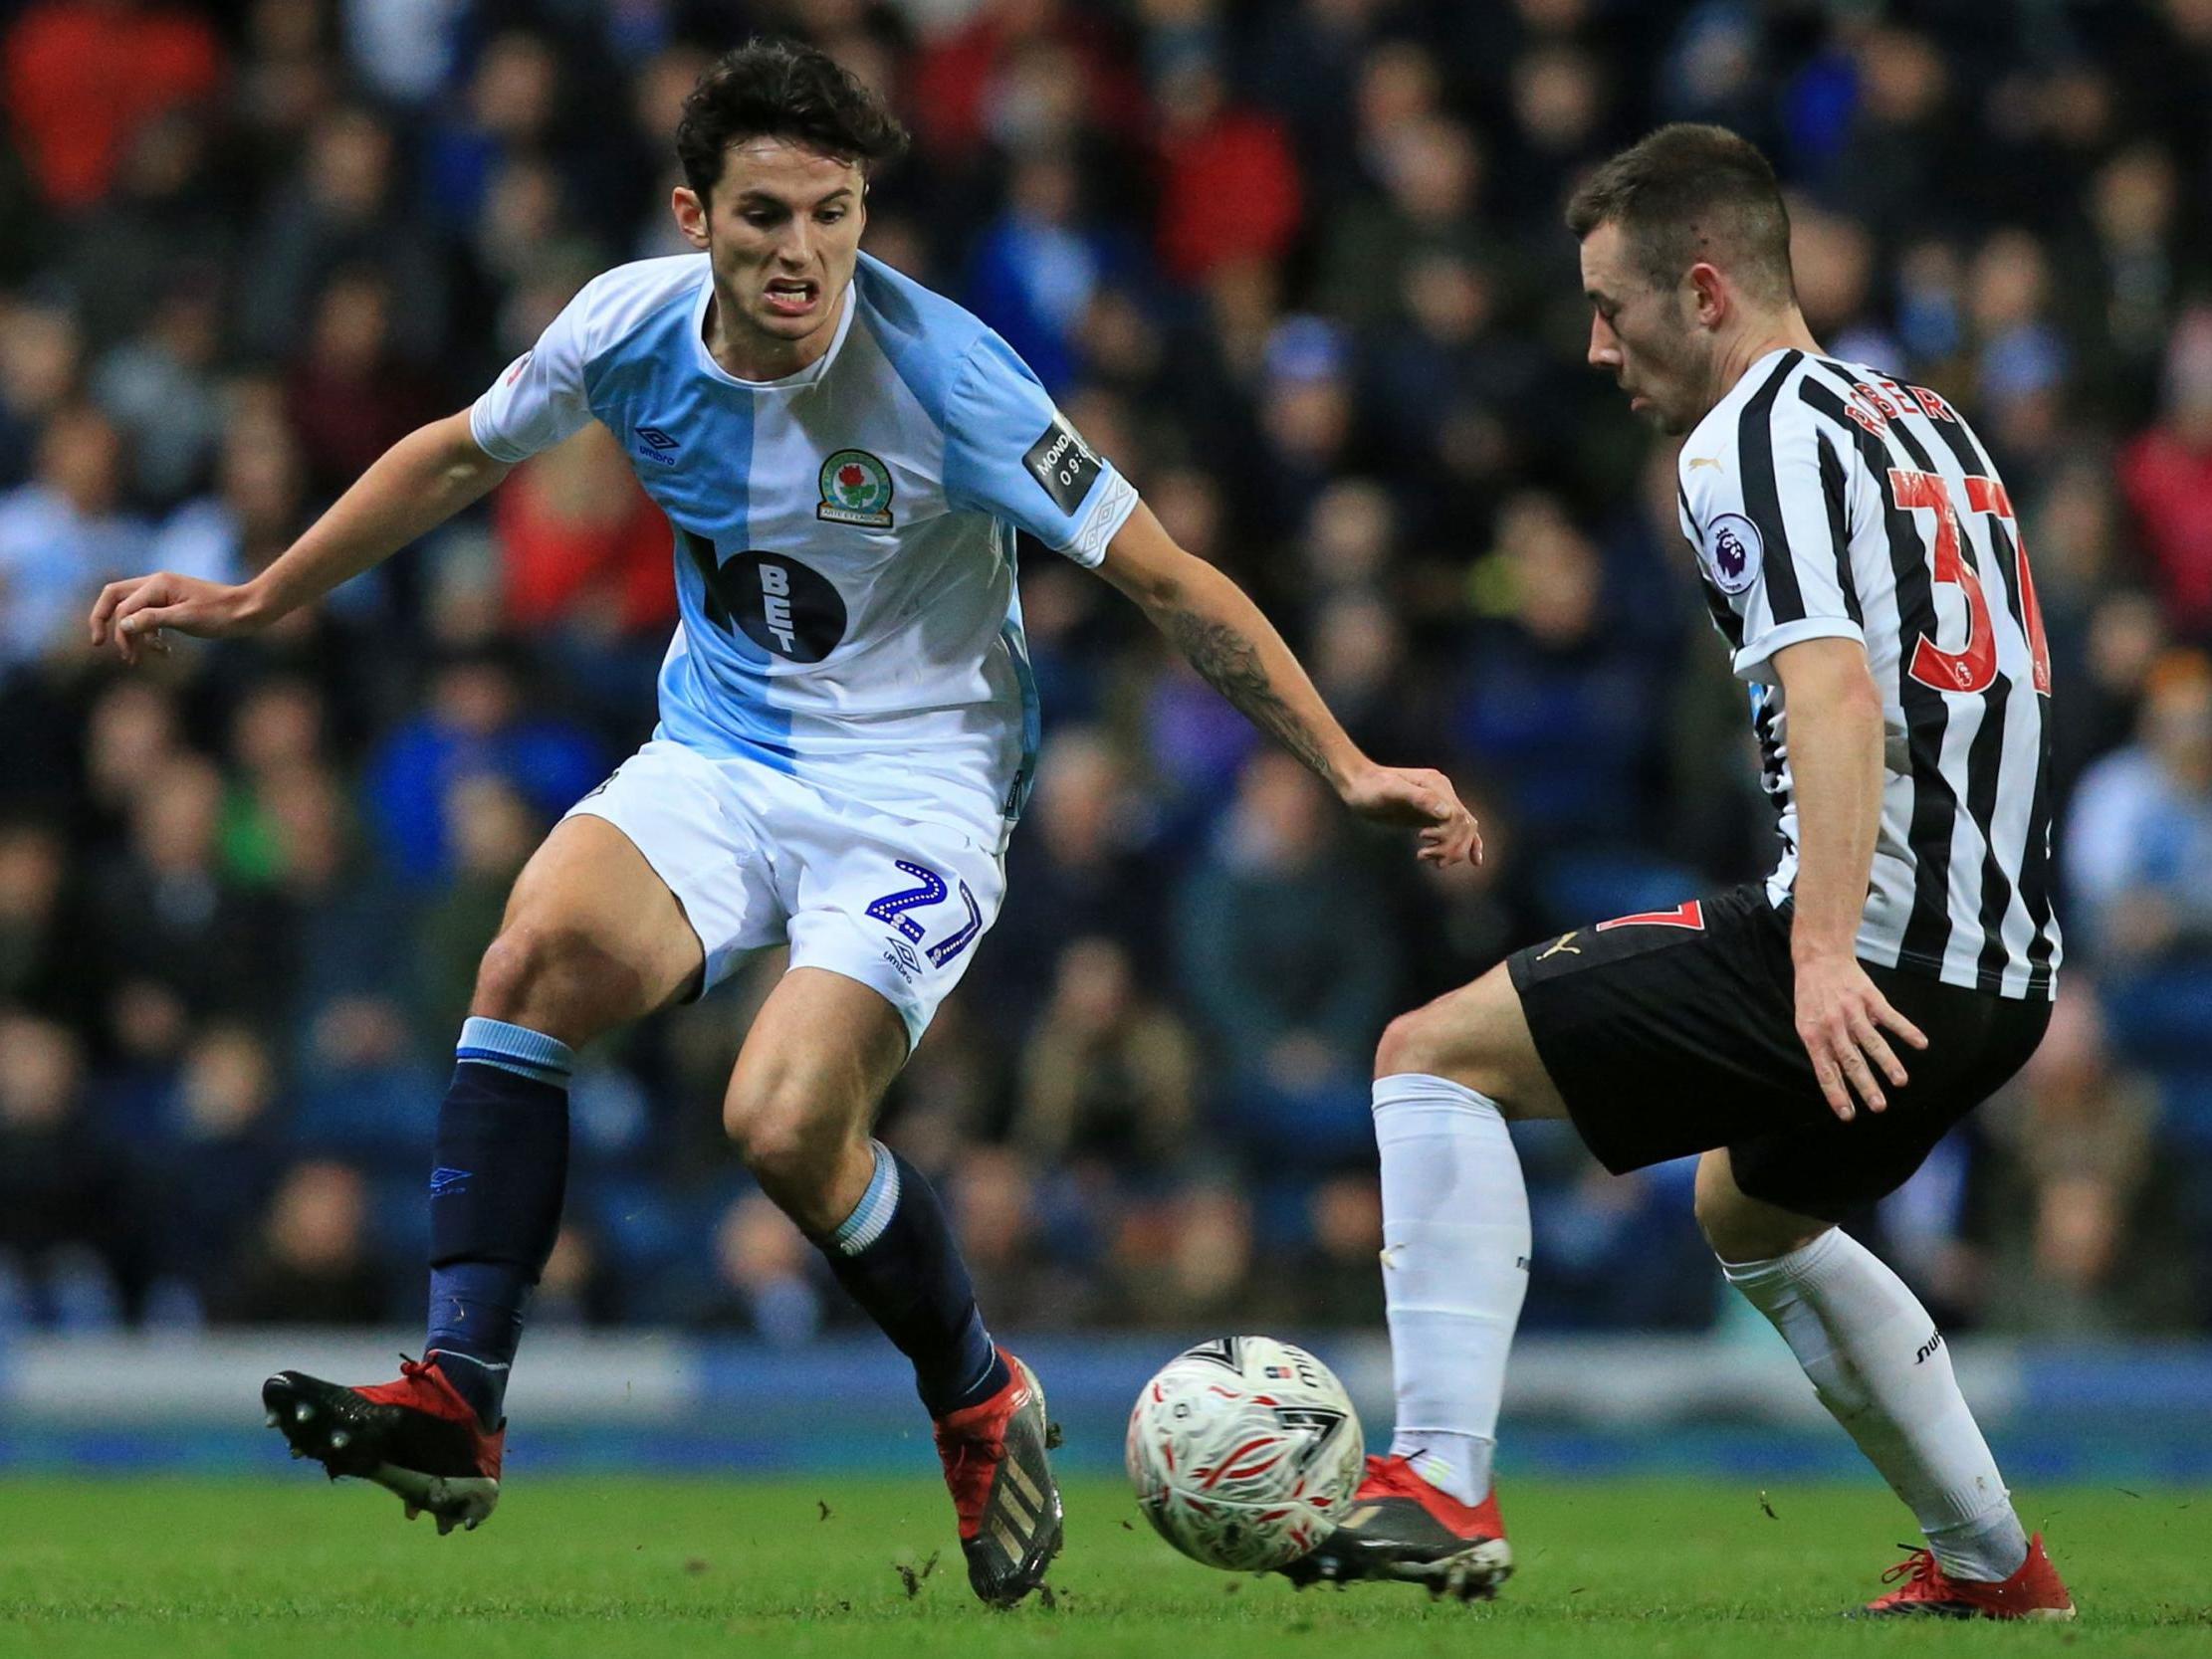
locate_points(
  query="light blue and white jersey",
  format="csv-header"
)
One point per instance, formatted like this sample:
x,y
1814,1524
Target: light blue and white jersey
x,y
844,536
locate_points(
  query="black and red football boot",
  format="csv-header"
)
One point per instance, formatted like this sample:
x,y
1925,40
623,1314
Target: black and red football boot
x,y
1003,1489
417,1437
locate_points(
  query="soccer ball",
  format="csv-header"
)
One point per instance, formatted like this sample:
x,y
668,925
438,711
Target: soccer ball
x,y
1242,1451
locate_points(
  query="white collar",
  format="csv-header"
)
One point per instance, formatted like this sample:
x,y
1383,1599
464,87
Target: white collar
x,y
797,380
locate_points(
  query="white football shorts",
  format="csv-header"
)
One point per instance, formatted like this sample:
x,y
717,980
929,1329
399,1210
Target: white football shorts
x,y
758,858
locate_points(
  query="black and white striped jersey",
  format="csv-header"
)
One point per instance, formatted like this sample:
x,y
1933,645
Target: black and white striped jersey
x,y
1826,500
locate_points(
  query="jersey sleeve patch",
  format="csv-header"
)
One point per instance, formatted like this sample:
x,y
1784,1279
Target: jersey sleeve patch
x,y
1010,453
1064,464
1731,551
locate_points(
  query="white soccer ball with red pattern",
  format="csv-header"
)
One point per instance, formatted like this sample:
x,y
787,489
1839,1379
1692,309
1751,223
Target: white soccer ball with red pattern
x,y
1243,1451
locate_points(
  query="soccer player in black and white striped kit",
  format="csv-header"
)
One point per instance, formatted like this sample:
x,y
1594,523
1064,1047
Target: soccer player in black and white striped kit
x,y
1813,1035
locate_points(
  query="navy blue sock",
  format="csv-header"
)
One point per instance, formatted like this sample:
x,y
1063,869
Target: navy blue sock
x,y
502,1165
896,1257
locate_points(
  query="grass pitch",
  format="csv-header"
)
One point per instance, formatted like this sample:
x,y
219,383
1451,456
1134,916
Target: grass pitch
x,y
623,1569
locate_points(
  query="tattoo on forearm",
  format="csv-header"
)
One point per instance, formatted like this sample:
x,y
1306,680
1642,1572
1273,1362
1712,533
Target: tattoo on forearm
x,y
1232,665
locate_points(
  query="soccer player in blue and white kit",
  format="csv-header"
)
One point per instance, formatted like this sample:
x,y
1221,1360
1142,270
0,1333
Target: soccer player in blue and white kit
x,y
847,731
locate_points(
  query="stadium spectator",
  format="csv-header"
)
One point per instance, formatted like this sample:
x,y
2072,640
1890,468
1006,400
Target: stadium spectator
x,y
1109,1075
2084,1209
166,922
767,1281
1230,196
476,722
508,110
217,1155
42,970
1038,268
162,233
492,833
1082,852
580,1288
1431,170
62,535
312,1263
1282,961
1552,705
74,112
2140,837
583,550
1185,1261
41,363
66,1210
2167,473
998,1214
1332,1281
342,211
158,387
348,396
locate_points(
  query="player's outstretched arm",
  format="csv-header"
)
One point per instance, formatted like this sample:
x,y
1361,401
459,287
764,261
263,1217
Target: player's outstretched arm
x,y
1835,741
1224,636
413,486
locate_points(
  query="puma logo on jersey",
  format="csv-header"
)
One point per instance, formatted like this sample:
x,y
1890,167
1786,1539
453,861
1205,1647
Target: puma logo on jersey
x,y
1934,1342
1697,461
1562,946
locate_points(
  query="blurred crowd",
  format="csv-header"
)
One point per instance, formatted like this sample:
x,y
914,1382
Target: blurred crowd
x,y
1297,266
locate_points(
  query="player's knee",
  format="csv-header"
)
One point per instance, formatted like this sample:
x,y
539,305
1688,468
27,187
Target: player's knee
x,y
1741,1228
552,978
790,1147
1446,1038
1412,1042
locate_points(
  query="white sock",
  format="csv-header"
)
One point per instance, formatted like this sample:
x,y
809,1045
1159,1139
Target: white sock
x,y
1455,1270
1881,1367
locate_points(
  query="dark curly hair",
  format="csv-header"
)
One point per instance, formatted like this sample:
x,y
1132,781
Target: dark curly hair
x,y
781,89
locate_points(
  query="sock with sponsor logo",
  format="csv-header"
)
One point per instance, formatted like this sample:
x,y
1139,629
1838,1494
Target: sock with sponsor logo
x,y
501,1166
1455,1245
895,1256
1881,1367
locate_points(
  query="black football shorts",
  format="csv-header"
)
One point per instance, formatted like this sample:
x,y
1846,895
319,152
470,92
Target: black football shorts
x,y
1675,1032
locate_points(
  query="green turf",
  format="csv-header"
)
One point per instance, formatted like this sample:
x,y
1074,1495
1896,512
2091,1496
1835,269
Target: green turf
x,y
616,1569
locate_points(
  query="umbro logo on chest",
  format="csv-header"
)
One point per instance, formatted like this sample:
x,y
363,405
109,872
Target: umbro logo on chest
x,y
659,447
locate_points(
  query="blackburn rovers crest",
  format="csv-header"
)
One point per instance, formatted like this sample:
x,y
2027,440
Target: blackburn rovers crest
x,y
856,490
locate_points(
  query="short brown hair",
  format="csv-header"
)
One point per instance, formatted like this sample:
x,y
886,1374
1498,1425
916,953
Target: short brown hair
x,y
781,89
1690,192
